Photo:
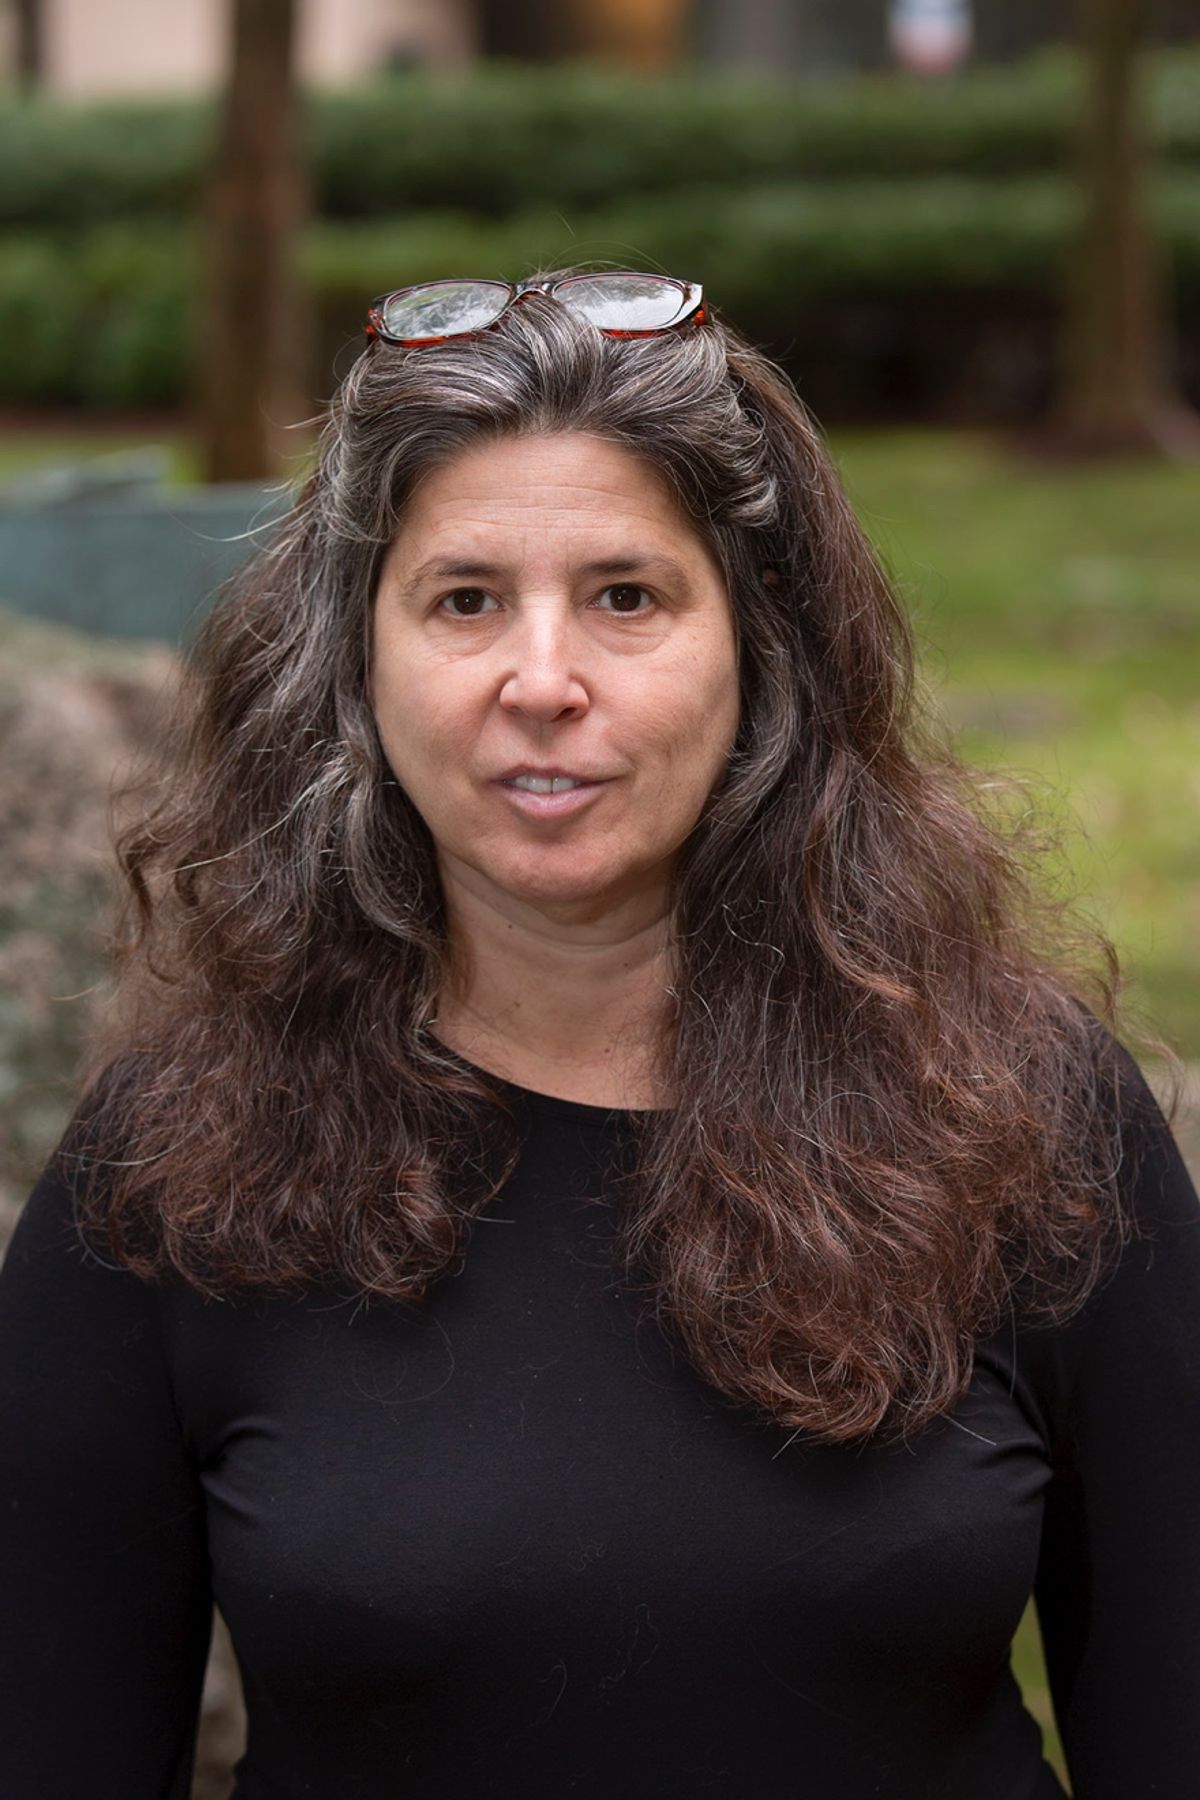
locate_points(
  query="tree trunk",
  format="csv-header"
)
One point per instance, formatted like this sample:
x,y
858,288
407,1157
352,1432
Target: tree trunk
x,y
254,352
29,47
1118,396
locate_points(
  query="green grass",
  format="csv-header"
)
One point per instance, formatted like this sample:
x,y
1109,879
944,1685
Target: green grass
x,y
22,452
1058,616
1029,1668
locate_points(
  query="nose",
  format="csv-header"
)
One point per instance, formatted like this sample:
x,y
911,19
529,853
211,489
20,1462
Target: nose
x,y
543,679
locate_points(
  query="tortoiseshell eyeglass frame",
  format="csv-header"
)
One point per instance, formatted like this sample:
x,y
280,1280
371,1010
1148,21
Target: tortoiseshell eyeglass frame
x,y
692,310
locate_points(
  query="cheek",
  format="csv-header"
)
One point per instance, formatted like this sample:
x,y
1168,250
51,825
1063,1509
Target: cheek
x,y
419,713
696,721
725,696
716,695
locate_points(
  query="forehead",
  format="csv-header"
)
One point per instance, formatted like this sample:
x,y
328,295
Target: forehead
x,y
570,477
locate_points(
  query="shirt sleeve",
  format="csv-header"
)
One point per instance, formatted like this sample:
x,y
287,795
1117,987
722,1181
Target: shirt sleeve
x,y
1118,1581
104,1586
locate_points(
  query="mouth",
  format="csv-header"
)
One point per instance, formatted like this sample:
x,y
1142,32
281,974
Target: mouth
x,y
549,796
546,784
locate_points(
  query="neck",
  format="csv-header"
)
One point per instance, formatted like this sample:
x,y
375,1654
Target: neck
x,y
570,1000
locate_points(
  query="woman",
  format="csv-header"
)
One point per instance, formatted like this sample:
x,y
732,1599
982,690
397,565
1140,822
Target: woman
x,y
619,1248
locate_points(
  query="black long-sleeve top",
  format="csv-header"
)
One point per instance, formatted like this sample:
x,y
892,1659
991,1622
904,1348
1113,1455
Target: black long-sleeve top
x,y
503,1542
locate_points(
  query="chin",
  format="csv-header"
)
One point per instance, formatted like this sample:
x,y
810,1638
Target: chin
x,y
563,886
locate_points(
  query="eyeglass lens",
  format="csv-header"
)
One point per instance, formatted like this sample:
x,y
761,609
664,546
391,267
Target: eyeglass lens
x,y
623,302
444,308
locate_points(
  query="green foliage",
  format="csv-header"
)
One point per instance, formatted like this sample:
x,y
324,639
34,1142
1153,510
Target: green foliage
x,y
70,164
106,316
35,324
505,138
502,137
925,203
102,318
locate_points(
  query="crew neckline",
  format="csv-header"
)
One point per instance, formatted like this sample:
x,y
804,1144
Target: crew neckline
x,y
579,1112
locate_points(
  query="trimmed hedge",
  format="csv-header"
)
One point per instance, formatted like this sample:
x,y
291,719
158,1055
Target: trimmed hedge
x,y
104,317
102,320
503,138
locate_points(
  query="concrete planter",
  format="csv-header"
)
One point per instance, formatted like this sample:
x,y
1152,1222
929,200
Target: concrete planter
x,y
109,548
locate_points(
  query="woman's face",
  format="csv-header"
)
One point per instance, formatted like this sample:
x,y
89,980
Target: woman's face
x,y
546,611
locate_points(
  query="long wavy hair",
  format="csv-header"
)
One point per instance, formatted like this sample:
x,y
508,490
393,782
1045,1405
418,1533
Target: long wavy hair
x,y
890,1052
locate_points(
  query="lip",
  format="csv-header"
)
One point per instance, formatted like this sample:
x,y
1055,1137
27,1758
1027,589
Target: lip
x,y
549,774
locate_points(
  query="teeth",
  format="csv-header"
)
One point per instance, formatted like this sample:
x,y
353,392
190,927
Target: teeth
x,y
545,784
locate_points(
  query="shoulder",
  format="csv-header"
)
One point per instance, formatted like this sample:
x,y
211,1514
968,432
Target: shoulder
x,y
1138,1331
58,1235
1151,1175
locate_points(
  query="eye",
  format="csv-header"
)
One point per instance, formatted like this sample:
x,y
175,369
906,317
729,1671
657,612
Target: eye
x,y
625,598
473,602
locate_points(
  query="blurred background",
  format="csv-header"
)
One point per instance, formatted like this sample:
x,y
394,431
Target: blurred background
x,y
969,229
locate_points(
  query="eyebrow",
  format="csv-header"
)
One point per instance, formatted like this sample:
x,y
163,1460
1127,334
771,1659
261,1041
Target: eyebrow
x,y
634,562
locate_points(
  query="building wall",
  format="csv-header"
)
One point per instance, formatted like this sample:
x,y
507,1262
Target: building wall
x,y
110,47
113,47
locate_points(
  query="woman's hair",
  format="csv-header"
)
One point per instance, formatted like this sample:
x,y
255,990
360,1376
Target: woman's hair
x,y
888,1051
